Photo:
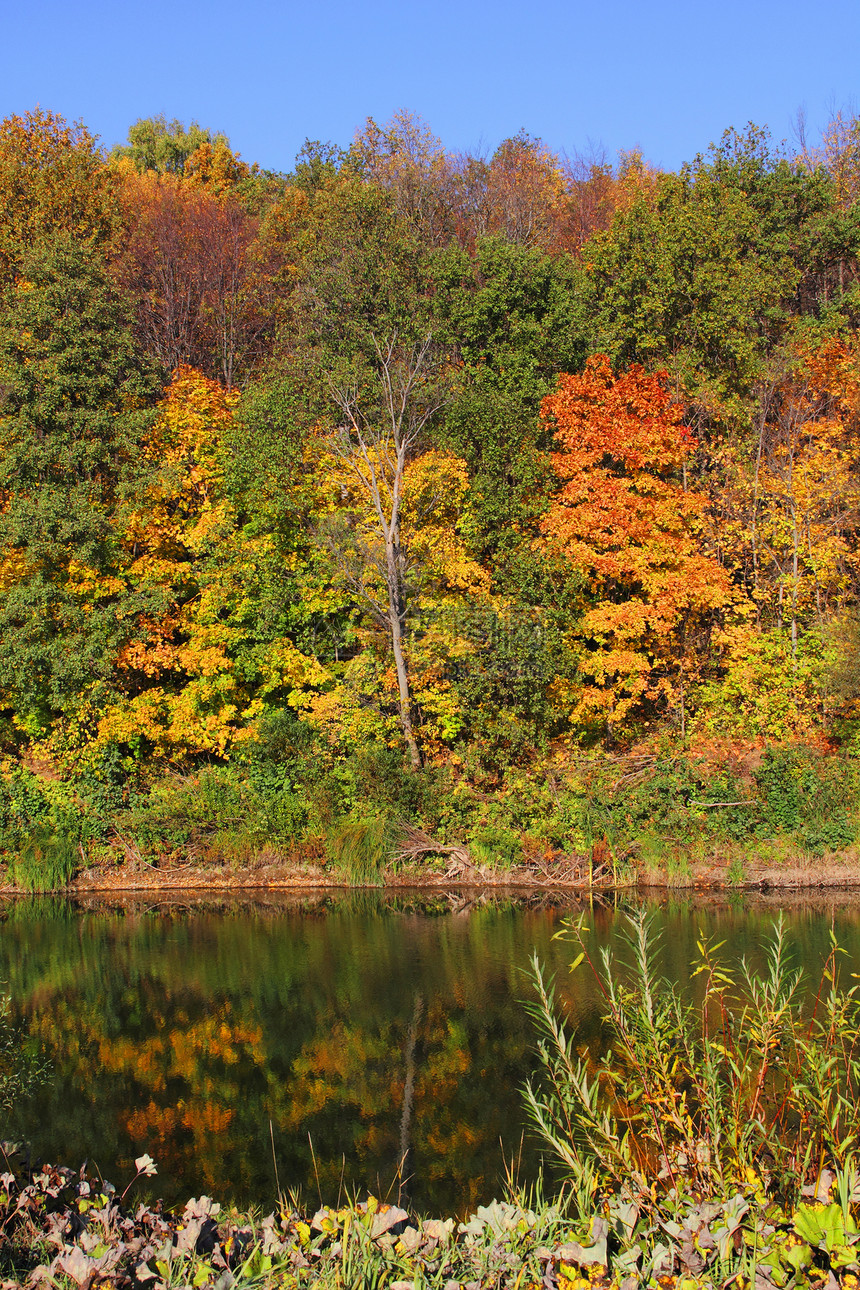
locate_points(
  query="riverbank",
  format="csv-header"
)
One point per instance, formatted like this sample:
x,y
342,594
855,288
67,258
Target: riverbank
x,y
787,817
66,1229
732,873
782,818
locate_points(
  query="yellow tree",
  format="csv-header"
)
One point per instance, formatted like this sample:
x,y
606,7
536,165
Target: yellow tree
x,y
806,499
185,689
788,531
53,181
442,581
384,419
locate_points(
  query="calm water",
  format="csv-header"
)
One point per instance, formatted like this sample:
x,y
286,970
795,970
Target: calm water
x,y
362,1028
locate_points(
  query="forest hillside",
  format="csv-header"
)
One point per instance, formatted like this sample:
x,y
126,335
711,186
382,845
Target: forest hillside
x,y
504,502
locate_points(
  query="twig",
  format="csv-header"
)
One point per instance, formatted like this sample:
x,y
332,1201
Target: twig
x,y
747,801
316,1171
275,1163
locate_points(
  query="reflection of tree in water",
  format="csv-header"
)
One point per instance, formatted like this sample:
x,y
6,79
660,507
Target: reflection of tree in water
x,y
183,1036
173,1091
408,1100
405,1162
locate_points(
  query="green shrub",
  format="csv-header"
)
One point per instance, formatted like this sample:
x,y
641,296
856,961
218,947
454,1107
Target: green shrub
x,y
808,797
180,810
45,830
661,798
284,815
497,846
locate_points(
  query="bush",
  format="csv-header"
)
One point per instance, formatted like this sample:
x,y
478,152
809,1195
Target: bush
x,y
659,798
808,797
495,845
181,810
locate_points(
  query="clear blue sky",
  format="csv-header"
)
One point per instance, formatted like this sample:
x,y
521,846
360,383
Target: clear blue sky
x,y
666,75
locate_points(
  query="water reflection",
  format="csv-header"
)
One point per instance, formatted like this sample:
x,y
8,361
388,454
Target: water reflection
x,y
366,1030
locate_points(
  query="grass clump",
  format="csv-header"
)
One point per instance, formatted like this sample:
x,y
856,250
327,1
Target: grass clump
x,y
46,861
360,849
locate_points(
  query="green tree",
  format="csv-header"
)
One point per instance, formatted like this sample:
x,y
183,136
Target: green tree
x,y
154,143
75,409
512,313
706,279
360,273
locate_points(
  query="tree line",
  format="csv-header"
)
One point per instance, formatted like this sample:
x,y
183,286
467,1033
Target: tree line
x,y
469,462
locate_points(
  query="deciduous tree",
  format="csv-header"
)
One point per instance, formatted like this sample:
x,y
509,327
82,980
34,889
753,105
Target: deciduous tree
x,y
154,143
53,182
77,396
624,518
385,415
705,279
196,272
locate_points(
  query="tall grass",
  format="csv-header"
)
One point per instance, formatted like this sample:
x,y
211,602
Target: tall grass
x,y
360,849
756,1085
46,861
714,1141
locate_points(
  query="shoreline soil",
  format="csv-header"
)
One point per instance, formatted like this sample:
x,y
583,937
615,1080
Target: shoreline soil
x,y
292,877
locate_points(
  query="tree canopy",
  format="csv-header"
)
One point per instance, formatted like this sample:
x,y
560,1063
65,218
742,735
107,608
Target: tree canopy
x,y
417,469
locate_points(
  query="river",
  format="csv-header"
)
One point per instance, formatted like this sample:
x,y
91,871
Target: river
x,y
326,1045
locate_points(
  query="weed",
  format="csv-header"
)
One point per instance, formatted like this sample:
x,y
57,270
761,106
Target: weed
x,y
653,850
495,845
678,871
700,1101
736,872
360,848
46,862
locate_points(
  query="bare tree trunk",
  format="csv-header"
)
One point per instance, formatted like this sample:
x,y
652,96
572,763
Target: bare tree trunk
x,y
395,617
376,443
754,527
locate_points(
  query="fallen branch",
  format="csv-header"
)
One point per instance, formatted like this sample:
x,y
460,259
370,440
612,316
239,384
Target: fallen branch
x,y
745,801
415,843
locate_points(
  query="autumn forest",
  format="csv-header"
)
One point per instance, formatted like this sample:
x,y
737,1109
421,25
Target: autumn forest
x,y
509,499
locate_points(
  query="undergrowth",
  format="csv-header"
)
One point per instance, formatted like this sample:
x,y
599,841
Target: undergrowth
x,y
286,794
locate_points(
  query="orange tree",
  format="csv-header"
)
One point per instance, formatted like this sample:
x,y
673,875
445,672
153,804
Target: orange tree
x,y
626,520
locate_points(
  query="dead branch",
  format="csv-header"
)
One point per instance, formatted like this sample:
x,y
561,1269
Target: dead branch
x,y
414,843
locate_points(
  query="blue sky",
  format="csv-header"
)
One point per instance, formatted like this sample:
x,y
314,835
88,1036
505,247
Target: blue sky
x,y
661,74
